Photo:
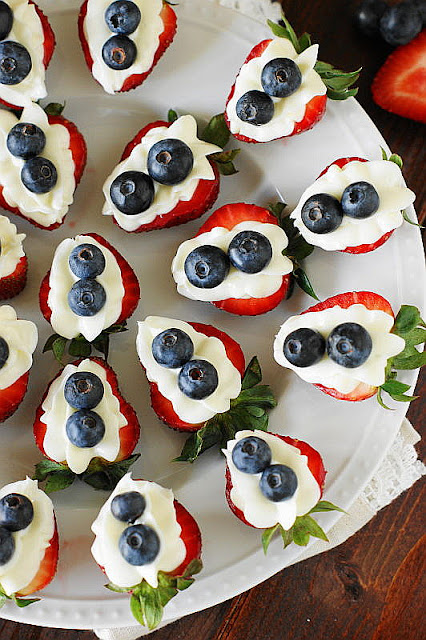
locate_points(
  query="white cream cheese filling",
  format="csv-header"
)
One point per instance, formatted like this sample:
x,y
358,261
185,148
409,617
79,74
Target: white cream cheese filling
x,y
21,337
12,249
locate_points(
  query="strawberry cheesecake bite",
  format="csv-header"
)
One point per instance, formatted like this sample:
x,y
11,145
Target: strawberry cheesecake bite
x,y
89,288
42,159
27,43
13,261
281,89
122,41
350,346
84,424
235,261
354,205
148,545
18,340
273,483
166,177
28,541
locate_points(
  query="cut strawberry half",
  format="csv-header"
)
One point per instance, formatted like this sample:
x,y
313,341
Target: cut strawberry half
x,y
47,569
12,396
400,84
191,536
168,17
13,284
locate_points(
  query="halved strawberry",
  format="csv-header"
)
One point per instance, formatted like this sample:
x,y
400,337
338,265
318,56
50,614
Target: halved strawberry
x,y
190,534
168,17
47,569
400,84
12,396
164,408
13,284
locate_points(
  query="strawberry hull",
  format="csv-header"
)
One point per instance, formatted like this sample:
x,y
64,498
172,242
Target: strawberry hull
x,y
13,284
47,569
12,396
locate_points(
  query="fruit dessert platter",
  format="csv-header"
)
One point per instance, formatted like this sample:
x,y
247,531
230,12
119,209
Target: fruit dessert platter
x,y
160,426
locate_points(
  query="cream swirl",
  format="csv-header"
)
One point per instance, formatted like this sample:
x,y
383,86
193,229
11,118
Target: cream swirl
x,y
11,248
21,337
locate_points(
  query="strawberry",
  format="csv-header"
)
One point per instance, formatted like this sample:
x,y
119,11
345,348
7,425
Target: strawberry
x,y
168,17
13,284
47,569
399,84
12,396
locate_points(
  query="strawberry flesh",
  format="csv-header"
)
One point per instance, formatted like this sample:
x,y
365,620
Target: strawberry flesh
x,y
13,284
47,569
12,396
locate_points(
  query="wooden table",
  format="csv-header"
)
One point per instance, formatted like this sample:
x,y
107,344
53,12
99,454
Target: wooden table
x,y
370,587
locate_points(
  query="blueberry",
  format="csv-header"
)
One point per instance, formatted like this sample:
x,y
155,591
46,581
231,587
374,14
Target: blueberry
x,y
4,352
367,16
39,175
349,345
281,77
170,161
421,8
172,348
119,52
132,192
26,140
85,428
7,545
322,213
122,17
86,261
206,267
250,251
251,455
83,390
278,482
15,62
16,512
255,107
128,507
198,379
139,544
360,200
6,20
86,297
304,347
400,23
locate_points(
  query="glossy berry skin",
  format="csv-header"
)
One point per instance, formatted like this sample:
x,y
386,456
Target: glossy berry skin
x,y
39,175
119,52
86,261
400,24
83,390
7,545
129,506
170,161
172,348
206,267
86,297
349,345
251,455
278,482
6,20
26,140
281,77
16,512
4,352
198,379
122,17
250,251
360,200
304,347
367,16
132,192
85,428
322,213
15,62
255,107
139,544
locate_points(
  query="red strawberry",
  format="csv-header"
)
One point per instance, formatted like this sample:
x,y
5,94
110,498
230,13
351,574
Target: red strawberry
x,y
130,284
191,536
12,396
164,408
168,17
13,284
47,568
315,464
129,433
400,84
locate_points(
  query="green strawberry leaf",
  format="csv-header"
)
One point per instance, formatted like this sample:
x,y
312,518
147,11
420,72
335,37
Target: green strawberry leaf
x,y
104,476
396,159
56,344
216,132
172,116
304,283
45,467
184,583
136,605
252,375
54,108
277,210
194,567
324,505
79,347
408,219
57,476
225,161
268,535
24,602
2,600
113,587
407,319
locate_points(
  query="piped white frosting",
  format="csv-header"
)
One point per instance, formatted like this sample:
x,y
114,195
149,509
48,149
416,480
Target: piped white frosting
x,y
287,111
386,178
206,348
21,337
56,410
166,197
159,514
327,372
247,496
12,249
30,543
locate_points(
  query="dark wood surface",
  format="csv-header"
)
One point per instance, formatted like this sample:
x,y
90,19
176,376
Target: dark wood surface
x,y
371,587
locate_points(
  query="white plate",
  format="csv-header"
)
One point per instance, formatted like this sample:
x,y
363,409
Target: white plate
x,y
195,76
